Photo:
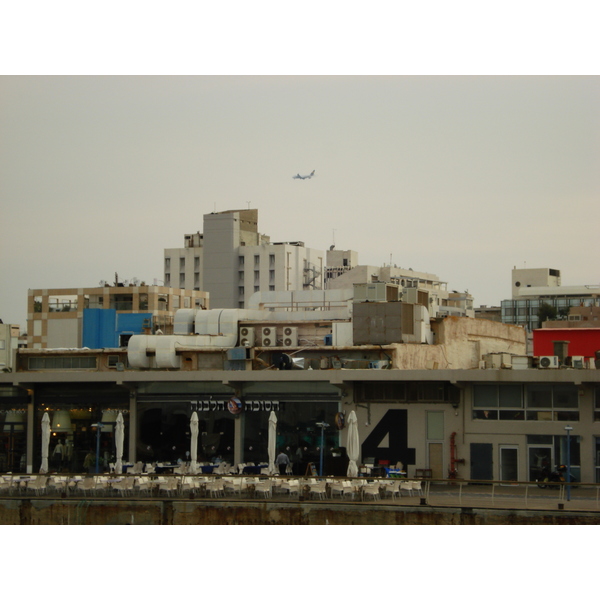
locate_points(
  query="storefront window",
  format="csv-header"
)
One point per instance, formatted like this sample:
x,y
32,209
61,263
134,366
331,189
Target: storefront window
x,y
13,430
297,433
164,430
74,414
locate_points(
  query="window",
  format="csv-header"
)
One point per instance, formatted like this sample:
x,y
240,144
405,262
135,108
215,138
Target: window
x,y
113,359
271,276
167,264
241,290
597,406
182,264
61,362
241,262
552,403
498,402
271,261
196,263
257,288
182,280
256,261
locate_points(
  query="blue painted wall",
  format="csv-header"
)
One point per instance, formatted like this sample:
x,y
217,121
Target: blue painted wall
x,y
103,326
99,328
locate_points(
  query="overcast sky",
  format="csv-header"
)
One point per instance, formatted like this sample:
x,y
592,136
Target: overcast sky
x,y
463,177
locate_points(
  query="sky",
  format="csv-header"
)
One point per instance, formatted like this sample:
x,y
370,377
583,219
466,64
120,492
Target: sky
x,y
465,177
440,167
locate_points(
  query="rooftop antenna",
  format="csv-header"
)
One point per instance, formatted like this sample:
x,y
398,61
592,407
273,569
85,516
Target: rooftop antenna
x,y
248,203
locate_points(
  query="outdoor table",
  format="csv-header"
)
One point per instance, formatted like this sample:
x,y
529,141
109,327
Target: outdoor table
x,y
166,468
254,470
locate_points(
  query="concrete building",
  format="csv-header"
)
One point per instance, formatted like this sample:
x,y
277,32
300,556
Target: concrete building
x,y
61,318
440,301
9,342
232,261
474,423
579,317
533,287
418,401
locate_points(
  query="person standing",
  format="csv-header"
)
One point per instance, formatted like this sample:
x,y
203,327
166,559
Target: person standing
x,y
57,455
282,461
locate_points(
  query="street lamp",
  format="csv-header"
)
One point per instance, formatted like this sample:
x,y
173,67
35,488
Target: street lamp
x,y
568,429
322,425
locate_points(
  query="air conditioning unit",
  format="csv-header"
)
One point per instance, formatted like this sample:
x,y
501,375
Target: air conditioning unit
x,y
548,362
247,336
578,362
290,336
269,336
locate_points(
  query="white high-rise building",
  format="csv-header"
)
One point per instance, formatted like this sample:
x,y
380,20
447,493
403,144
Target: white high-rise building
x,y
231,261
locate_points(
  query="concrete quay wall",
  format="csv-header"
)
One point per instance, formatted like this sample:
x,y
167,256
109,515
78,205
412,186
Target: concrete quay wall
x,y
46,511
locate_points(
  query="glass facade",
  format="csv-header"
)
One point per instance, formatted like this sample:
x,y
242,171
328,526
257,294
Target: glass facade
x,y
74,414
525,312
13,429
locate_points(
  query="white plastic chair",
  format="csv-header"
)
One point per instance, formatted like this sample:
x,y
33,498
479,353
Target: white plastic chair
x,y
216,488
349,489
406,486
319,489
371,489
416,487
38,485
392,488
6,484
125,486
291,486
336,489
265,488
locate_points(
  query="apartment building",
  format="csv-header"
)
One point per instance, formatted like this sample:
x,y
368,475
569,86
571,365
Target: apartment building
x,y
107,315
232,261
533,287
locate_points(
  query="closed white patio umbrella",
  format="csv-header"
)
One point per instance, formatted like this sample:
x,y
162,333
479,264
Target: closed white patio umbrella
x,y
119,439
353,445
45,442
272,442
194,443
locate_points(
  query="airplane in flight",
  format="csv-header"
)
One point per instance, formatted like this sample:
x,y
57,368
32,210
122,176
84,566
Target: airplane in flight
x,y
303,176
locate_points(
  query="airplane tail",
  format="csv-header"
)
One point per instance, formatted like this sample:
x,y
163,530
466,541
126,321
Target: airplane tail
x,y
312,173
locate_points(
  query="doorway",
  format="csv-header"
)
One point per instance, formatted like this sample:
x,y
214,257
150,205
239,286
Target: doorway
x,y
436,459
509,463
482,466
540,459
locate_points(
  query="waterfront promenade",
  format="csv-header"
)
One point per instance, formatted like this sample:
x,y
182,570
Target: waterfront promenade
x,y
267,501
